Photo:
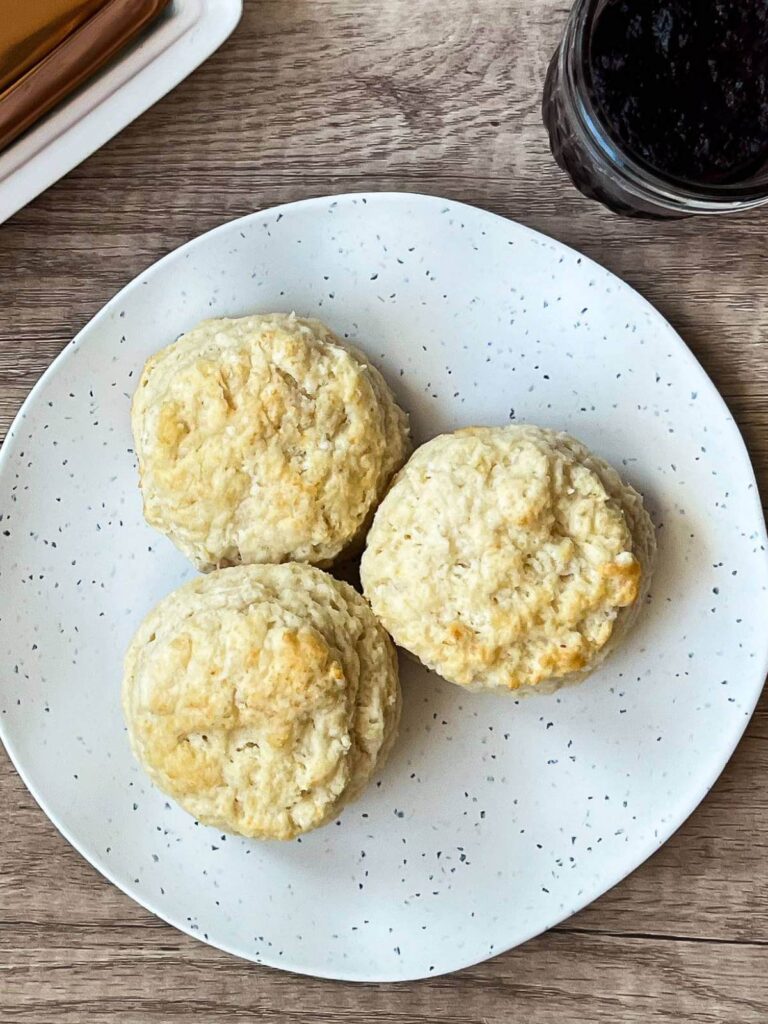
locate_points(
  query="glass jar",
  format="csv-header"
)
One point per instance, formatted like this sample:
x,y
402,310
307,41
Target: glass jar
x,y
597,163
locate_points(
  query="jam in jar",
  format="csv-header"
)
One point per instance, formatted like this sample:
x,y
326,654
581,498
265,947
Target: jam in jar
x,y
660,107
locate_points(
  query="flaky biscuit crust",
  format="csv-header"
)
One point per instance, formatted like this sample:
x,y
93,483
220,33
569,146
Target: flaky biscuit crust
x,y
508,558
264,439
262,698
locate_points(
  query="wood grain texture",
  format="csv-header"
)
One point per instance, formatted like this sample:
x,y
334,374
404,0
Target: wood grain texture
x,y
312,97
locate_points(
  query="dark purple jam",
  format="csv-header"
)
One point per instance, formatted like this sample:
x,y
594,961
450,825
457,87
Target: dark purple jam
x,y
682,85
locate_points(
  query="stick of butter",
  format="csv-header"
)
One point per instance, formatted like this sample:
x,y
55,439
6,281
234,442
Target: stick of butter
x,y
49,47
30,29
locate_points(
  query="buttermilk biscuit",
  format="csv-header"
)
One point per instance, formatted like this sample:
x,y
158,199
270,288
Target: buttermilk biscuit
x,y
508,558
262,698
264,439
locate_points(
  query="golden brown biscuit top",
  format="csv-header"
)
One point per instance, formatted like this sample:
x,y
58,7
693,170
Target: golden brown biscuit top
x,y
261,698
263,439
501,558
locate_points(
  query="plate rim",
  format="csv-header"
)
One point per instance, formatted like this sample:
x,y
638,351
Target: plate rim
x,y
664,834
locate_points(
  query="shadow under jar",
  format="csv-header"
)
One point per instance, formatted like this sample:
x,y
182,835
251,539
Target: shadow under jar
x,y
659,108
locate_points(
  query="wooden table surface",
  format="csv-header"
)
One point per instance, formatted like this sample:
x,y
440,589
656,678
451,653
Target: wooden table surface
x,y
311,97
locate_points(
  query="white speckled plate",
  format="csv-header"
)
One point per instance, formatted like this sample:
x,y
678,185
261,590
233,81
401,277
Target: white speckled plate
x,y
494,819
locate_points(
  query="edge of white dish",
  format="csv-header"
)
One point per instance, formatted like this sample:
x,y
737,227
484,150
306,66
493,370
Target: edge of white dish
x,y
676,820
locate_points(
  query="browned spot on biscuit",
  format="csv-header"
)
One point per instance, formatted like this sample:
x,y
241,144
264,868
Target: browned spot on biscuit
x,y
171,427
562,660
626,580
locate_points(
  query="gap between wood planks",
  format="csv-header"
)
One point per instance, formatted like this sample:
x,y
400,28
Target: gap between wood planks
x,y
564,929
658,937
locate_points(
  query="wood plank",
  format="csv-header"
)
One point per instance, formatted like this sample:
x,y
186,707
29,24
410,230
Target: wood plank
x,y
128,974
